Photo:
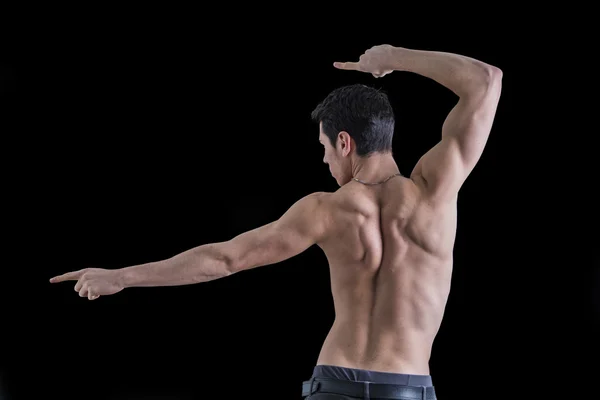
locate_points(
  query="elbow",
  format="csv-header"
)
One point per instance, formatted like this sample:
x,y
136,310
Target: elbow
x,y
225,262
484,81
230,264
489,84
496,73
494,87
493,77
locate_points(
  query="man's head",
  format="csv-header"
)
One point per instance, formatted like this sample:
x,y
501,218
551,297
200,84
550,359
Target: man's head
x,y
355,122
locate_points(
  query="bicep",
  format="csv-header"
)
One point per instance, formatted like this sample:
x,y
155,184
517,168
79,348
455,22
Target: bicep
x,y
446,166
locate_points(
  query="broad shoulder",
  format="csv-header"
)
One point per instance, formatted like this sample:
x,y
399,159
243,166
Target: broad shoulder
x,y
329,202
312,207
315,200
309,216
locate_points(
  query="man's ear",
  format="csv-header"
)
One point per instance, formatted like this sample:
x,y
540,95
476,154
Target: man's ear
x,y
345,142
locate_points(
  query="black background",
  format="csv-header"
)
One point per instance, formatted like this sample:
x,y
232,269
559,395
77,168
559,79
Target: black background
x,y
132,135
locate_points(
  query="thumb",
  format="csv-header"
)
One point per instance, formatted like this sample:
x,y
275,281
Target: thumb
x,y
346,65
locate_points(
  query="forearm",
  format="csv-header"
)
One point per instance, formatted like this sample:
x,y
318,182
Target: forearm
x,y
200,264
463,75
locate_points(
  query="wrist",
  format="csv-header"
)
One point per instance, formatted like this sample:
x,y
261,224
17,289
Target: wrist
x,y
123,277
398,58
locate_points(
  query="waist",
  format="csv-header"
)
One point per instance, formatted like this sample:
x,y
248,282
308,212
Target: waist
x,y
365,375
361,383
389,352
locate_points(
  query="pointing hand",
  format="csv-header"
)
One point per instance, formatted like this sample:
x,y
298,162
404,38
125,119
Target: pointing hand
x,y
377,61
93,282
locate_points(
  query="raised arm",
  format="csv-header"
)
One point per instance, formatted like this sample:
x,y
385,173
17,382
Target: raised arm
x,y
303,225
444,168
465,132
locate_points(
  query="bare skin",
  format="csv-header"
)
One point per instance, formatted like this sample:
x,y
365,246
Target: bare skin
x,y
389,246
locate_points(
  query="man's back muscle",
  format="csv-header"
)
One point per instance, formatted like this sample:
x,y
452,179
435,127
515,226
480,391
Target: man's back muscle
x,y
390,257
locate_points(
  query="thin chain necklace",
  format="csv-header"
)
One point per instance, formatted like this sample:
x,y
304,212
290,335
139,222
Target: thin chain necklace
x,y
377,183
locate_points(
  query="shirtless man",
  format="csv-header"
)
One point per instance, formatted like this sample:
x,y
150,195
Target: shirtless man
x,y
388,238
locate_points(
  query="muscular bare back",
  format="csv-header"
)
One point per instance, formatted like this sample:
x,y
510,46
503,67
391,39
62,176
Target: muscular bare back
x,y
390,258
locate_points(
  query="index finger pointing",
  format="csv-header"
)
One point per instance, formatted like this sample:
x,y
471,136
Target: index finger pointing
x,y
69,276
347,65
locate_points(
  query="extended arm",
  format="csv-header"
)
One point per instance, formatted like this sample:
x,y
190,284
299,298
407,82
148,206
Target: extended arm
x,y
303,225
299,228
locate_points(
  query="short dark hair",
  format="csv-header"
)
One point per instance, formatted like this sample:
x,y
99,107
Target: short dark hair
x,y
362,111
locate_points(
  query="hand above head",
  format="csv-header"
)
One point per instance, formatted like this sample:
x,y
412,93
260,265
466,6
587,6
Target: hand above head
x,y
378,61
93,282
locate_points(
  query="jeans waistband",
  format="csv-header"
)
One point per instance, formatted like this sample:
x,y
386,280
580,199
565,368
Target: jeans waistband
x,y
361,375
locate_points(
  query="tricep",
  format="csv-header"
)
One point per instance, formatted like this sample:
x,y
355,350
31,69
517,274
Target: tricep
x,y
465,132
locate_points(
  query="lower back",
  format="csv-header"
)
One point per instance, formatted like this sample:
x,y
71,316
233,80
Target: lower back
x,y
400,351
